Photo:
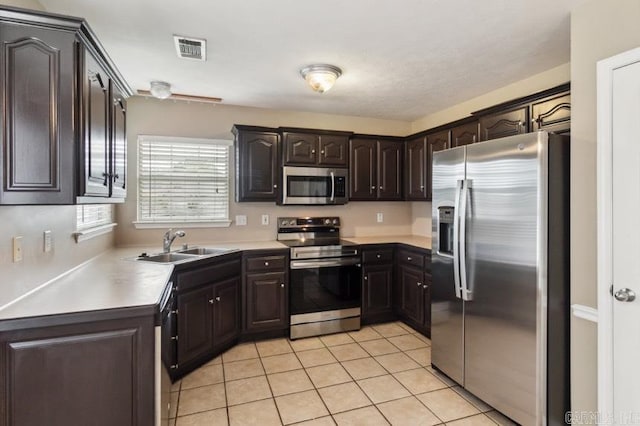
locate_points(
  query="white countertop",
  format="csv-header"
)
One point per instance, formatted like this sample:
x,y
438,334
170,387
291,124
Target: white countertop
x,y
412,240
113,280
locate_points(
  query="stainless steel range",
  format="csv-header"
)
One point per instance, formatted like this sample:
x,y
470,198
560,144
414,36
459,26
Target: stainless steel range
x,y
325,276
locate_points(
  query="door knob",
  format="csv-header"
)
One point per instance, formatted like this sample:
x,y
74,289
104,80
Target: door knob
x,y
625,295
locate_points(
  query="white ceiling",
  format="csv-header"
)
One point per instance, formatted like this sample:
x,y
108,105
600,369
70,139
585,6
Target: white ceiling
x,y
401,59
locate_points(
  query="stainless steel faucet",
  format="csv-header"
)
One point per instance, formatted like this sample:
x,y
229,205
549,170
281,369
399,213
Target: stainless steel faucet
x,y
169,236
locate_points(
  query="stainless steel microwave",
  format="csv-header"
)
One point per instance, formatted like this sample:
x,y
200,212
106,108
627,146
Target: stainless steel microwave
x,y
314,185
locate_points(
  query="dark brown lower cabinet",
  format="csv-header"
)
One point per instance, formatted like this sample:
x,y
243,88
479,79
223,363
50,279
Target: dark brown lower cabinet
x,y
266,283
377,285
267,294
411,298
90,373
226,312
195,324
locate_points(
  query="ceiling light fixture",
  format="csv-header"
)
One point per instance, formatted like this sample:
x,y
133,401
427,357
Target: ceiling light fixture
x,y
160,89
321,77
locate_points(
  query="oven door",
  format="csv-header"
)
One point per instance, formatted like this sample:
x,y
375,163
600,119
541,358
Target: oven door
x,y
312,185
324,285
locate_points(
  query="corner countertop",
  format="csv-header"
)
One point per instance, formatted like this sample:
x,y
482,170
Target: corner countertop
x,y
113,280
411,240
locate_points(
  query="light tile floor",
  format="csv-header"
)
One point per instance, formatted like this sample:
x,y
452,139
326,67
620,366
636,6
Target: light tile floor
x,y
379,375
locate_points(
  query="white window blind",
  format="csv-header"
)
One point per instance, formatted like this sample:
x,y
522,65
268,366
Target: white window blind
x,y
182,180
93,215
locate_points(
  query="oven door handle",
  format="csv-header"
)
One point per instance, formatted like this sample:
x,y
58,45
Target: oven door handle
x,y
323,263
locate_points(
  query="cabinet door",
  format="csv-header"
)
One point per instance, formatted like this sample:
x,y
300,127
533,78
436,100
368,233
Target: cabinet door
x,y
98,373
426,293
552,114
266,304
390,170
465,134
334,151
118,145
300,148
38,116
256,162
502,124
362,173
435,142
96,142
195,324
416,169
226,311
377,283
411,296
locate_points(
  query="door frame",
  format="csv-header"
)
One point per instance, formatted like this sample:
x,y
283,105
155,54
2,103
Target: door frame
x,y
605,69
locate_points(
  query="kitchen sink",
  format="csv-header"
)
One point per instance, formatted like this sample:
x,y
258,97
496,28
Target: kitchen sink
x,y
201,251
168,257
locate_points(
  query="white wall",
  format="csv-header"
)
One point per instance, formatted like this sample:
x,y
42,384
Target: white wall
x,y
170,118
598,30
29,222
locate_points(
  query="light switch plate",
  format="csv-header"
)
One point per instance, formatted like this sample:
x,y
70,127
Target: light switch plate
x,y
265,219
47,243
241,220
379,217
17,249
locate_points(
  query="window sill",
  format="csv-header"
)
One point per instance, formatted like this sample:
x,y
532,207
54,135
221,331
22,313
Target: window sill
x,y
164,225
87,234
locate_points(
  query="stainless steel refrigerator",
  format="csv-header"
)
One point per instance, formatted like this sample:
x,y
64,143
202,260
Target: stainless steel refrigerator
x,y
500,264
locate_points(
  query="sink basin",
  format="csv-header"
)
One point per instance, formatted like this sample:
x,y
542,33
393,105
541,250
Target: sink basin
x,y
167,257
201,251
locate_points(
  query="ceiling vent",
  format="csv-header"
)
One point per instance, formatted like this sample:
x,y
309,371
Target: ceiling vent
x,y
191,48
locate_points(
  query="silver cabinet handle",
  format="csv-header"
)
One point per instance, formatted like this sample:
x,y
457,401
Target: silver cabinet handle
x,y
366,278
378,256
275,186
380,188
266,263
409,259
282,285
373,187
211,301
218,299
425,286
313,151
419,284
322,152
625,295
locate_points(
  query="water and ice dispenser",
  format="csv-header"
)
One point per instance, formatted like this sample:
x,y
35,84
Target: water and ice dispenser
x,y
445,230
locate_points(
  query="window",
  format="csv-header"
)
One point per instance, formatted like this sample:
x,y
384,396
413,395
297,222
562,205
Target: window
x,y
182,181
93,220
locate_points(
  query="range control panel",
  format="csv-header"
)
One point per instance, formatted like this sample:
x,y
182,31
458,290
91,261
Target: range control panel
x,y
308,222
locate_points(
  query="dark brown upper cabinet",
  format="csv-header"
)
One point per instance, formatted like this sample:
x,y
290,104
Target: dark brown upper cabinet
x,y
418,159
307,148
375,171
506,123
38,124
464,134
256,163
56,110
552,114
104,145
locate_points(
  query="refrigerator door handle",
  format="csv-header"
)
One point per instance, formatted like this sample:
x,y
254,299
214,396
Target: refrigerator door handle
x,y
466,293
456,240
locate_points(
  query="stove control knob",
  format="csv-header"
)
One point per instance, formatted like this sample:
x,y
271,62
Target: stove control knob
x,y
283,223
292,222
327,221
335,221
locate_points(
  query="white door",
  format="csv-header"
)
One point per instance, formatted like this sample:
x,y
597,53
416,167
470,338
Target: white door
x,y
621,310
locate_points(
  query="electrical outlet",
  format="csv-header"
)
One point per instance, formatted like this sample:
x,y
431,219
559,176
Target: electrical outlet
x,y
379,217
47,243
265,219
241,220
17,249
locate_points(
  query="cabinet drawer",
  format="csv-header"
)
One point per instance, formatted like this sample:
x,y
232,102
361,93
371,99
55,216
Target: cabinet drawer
x,y
411,258
377,256
266,263
207,274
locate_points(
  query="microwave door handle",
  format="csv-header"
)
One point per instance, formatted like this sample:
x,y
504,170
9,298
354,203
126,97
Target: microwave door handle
x,y
333,187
